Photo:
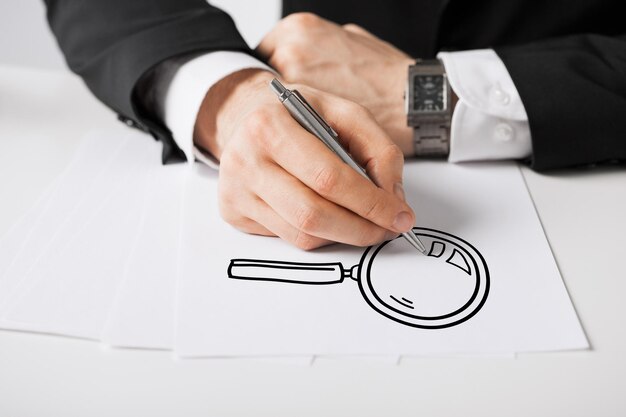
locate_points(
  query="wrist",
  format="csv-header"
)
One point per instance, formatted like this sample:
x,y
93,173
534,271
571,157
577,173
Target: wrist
x,y
390,112
224,105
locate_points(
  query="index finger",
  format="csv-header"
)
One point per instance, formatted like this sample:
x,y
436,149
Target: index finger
x,y
336,181
365,140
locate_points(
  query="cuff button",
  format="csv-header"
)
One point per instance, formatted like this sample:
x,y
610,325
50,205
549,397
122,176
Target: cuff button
x,y
499,96
503,133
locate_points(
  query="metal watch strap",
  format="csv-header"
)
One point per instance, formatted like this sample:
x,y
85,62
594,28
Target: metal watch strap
x,y
431,139
431,130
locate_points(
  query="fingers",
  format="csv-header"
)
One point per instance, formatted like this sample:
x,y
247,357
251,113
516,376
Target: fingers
x,y
305,215
265,214
278,179
312,219
309,160
253,227
366,141
250,214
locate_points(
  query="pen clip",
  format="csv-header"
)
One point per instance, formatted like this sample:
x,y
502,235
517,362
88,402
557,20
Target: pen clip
x,y
317,117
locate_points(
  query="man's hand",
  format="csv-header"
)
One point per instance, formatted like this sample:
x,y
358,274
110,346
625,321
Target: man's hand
x,y
278,179
346,61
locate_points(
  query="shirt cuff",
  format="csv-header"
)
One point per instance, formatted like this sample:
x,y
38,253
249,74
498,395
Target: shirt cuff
x,y
489,120
186,81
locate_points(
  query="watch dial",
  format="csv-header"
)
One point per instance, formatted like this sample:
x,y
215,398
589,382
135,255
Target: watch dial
x,y
428,93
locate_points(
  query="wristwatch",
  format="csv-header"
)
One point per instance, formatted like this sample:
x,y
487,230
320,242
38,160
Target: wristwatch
x,y
428,108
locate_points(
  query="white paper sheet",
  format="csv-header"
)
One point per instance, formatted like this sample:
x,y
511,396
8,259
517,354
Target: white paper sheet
x,y
31,238
482,224
15,238
144,309
71,288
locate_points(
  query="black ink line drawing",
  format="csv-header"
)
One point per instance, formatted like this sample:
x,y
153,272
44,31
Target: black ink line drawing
x,y
407,304
460,254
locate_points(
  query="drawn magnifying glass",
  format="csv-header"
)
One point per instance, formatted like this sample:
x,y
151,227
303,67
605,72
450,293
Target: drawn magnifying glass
x,y
443,289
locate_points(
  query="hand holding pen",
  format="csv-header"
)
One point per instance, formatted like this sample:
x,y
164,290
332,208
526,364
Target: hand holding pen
x,y
309,119
278,179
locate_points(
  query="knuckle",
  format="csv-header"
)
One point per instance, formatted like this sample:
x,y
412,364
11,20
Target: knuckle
x,y
257,130
227,212
251,227
352,110
224,200
230,160
290,73
237,220
354,28
308,218
279,59
344,107
305,241
362,111
242,223
287,56
302,20
229,203
351,26
389,155
293,52
257,122
326,181
392,153
374,207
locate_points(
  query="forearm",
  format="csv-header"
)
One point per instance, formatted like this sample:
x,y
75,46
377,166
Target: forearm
x,y
113,44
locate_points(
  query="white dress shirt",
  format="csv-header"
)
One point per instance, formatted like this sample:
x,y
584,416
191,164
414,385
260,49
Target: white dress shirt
x,y
489,120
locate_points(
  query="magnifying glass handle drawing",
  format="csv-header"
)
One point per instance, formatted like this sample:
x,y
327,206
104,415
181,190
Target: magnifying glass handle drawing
x,y
445,288
294,272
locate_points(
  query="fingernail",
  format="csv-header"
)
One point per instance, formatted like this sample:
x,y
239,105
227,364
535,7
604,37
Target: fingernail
x,y
403,222
398,190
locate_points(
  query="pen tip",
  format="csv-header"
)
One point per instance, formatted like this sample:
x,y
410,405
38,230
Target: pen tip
x,y
415,242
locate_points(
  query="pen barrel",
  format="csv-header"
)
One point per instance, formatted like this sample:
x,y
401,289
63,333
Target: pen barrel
x,y
308,118
292,272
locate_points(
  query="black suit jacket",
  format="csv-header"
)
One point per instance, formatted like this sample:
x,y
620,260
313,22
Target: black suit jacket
x,y
567,58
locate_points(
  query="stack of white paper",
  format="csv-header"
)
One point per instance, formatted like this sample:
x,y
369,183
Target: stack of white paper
x,y
126,251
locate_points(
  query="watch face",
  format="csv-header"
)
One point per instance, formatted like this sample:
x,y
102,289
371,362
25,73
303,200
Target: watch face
x,y
428,93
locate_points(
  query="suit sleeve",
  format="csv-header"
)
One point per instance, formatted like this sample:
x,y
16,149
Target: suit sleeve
x,y
574,92
112,44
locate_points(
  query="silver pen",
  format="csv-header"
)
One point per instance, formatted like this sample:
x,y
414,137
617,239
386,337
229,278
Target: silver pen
x,y
302,111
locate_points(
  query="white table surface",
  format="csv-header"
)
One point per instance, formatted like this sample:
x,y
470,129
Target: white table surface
x,y
43,115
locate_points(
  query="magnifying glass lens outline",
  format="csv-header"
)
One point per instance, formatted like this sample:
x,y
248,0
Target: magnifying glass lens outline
x,y
333,272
